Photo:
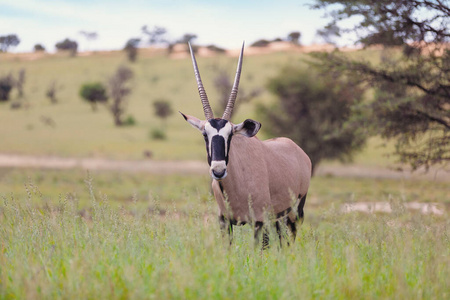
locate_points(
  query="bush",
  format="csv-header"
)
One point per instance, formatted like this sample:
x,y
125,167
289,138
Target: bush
x,y
6,85
131,48
129,121
39,48
260,43
93,93
216,49
313,111
163,108
157,134
69,45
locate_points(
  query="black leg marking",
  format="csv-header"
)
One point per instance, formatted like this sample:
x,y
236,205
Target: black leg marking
x,y
280,234
293,228
226,227
265,242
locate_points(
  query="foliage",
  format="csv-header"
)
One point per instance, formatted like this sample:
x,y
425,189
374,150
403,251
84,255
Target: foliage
x,y
7,41
20,82
163,108
89,35
260,43
67,45
223,85
6,85
39,48
216,49
294,37
94,93
119,91
131,48
129,121
158,134
412,91
156,35
51,92
313,110
187,38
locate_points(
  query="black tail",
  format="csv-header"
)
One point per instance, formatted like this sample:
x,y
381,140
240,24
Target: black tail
x,y
300,213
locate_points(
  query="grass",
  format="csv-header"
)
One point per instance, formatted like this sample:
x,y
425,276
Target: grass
x,y
111,235
140,236
80,132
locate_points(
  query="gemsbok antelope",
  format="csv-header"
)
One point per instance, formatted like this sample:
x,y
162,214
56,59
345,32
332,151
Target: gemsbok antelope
x,y
252,179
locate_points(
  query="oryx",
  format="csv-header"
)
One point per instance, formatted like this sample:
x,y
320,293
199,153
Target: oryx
x,y
251,178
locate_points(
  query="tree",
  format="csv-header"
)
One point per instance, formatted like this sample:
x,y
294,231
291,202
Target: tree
x,y
223,85
155,36
93,93
294,37
39,48
20,81
312,110
6,85
67,45
187,38
89,36
163,109
131,48
411,87
51,92
7,41
118,91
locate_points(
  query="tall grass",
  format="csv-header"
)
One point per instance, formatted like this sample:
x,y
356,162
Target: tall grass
x,y
106,251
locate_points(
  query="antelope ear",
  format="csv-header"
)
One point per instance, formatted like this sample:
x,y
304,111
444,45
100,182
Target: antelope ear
x,y
248,128
196,123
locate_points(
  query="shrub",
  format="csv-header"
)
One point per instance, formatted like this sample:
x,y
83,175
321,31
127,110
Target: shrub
x,y
129,121
158,134
6,85
39,48
93,93
69,45
119,90
260,43
163,108
131,48
313,110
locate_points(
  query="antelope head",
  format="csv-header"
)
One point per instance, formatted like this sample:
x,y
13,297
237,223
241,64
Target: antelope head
x,y
218,132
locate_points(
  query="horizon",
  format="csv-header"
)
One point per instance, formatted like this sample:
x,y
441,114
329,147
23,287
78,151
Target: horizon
x,y
47,22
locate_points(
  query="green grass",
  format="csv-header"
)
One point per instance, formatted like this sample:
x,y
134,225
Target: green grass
x,y
80,132
112,235
66,234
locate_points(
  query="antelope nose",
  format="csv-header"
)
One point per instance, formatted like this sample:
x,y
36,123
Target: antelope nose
x,y
219,174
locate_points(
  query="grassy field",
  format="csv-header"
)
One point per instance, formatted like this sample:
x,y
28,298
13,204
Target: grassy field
x,y
69,234
120,235
80,132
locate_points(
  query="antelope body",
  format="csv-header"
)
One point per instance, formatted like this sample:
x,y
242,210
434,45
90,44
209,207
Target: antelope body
x,y
251,178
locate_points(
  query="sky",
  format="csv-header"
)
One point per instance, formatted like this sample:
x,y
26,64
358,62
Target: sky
x,y
222,23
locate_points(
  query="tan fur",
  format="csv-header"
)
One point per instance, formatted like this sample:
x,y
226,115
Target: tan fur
x,y
268,172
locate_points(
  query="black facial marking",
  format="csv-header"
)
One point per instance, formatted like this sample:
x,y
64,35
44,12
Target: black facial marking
x,y
218,148
218,123
228,146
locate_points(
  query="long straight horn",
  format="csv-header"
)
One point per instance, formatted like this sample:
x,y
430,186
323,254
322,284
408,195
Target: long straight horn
x,y
201,90
230,105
